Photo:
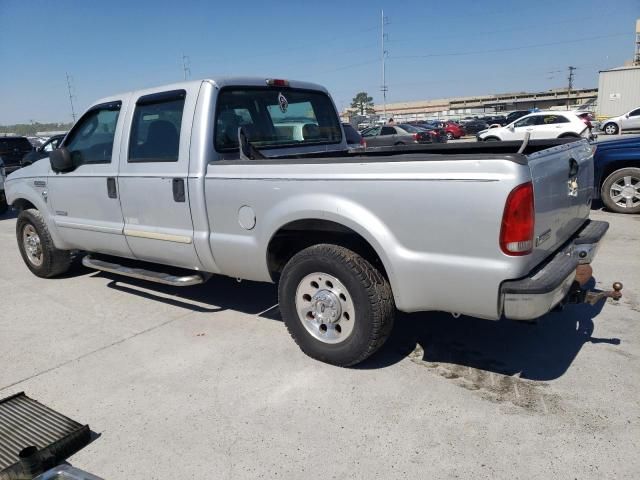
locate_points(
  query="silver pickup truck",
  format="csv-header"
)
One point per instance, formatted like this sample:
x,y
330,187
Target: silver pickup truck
x,y
176,183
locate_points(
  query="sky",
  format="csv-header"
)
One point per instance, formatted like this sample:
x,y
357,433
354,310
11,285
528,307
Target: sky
x,y
436,49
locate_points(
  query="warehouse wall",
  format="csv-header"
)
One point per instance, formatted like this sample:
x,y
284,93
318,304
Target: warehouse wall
x,y
618,91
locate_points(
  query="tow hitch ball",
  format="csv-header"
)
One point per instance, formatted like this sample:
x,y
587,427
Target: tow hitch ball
x,y
577,295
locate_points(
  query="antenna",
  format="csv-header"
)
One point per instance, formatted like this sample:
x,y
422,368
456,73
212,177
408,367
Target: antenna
x,y
73,112
570,87
384,88
186,66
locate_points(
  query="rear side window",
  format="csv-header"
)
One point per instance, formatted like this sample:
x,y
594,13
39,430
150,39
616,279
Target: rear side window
x,y
554,119
388,131
155,128
91,139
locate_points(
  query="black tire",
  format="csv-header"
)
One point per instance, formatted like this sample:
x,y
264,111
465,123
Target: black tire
x,y
368,290
492,139
3,204
399,144
53,261
607,193
611,127
450,136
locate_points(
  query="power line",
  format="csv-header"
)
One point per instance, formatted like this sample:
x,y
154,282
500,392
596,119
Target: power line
x,y
73,112
522,47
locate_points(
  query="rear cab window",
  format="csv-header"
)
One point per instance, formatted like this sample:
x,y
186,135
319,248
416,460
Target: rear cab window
x,y
275,118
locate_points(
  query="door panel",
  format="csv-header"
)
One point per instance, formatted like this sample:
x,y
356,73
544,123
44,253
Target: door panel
x,y
153,177
87,217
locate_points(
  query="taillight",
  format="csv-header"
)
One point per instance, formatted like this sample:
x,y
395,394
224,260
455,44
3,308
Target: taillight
x,y
362,142
518,221
415,136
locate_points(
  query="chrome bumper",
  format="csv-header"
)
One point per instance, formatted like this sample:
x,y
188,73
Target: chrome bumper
x,y
535,295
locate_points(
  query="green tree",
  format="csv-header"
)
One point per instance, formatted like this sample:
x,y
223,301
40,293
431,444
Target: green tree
x,y
363,103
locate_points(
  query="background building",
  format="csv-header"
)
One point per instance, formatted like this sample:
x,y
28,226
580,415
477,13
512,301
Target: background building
x,y
618,91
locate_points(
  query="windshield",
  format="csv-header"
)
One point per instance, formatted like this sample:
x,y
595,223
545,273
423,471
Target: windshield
x,y
274,118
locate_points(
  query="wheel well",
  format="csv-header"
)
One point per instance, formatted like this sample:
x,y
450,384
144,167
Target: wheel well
x,y
569,135
296,236
21,204
492,137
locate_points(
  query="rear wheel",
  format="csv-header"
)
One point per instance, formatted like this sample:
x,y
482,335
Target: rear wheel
x,y
338,307
450,136
610,128
621,191
37,248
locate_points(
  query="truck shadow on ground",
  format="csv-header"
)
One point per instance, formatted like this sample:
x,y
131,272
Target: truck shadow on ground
x,y
540,351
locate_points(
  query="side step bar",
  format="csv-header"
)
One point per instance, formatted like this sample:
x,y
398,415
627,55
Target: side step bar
x,y
143,274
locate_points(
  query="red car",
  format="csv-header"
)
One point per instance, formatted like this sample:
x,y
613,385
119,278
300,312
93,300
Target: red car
x,y
453,130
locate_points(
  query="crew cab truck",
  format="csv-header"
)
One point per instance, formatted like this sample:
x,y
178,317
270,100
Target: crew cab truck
x,y
177,183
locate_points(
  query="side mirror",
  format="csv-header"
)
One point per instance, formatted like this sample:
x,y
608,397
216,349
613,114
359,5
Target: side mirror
x,y
61,160
626,116
512,127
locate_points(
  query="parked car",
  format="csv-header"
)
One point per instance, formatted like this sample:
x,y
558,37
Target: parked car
x,y
627,121
453,130
617,173
395,135
540,125
348,238
513,116
12,150
437,133
474,126
354,139
3,198
42,151
496,120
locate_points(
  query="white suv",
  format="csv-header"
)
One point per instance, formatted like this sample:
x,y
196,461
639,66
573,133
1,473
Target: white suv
x,y
541,125
628,121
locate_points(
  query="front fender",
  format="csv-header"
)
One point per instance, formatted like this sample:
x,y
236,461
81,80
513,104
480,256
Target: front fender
x,y
25,189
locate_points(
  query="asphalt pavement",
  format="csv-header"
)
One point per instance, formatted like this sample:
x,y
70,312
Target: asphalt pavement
x,y
204,382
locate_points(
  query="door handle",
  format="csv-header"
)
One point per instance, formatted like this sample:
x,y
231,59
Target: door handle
x,y
178,189
112,192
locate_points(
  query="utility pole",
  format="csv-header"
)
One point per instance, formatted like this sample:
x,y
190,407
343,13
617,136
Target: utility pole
x,y
384,88
73,112
571,70
186,66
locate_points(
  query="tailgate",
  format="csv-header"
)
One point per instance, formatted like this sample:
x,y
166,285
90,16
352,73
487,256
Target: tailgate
x,y
563,189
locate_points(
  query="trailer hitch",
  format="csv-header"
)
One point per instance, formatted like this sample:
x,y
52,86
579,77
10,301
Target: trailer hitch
x,y
578,295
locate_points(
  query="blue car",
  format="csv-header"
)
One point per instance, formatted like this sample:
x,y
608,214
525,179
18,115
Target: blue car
x,y
617,174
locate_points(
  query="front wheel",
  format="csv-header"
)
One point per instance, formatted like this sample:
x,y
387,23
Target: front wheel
x,y
37,248
621,191
337,306
450,136
610,129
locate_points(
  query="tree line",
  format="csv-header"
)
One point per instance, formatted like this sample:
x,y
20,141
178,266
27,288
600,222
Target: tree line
x,y
30,129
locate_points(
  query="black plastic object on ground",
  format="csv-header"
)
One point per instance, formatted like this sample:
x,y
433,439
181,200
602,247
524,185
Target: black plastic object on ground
x,y
35,438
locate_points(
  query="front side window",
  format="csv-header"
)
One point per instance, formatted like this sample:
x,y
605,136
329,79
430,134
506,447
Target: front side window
x,y
155,128
273,118
388,131
371,132
528,121
91,140
635,113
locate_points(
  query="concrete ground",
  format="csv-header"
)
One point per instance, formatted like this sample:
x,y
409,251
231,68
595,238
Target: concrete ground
x,y
205,382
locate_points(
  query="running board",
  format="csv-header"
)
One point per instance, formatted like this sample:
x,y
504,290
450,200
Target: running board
x,y
143,274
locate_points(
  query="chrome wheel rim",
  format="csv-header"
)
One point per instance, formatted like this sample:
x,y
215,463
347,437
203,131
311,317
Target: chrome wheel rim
x,y
325,307
625,192
32,245
610,129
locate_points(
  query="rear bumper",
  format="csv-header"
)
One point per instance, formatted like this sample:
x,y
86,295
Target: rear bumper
x,y
533,296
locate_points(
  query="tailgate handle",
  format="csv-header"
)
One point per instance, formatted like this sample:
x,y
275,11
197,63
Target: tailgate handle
x,y
573,168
